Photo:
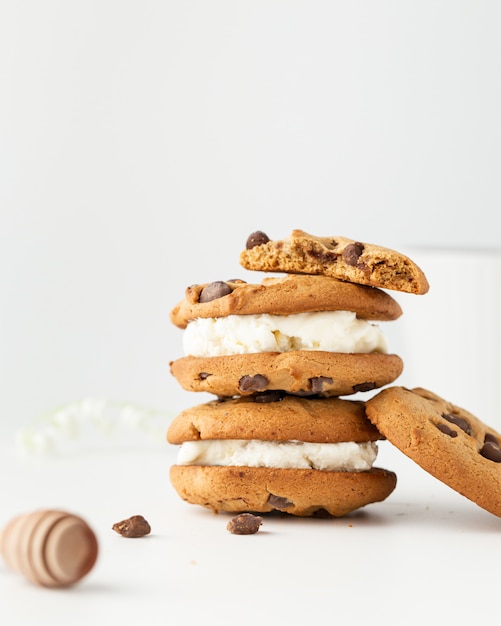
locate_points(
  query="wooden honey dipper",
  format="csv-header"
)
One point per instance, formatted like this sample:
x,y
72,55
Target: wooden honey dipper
x,y
50,548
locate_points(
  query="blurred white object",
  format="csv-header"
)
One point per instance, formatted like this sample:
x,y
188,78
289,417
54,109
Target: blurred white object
x,y
450,338
76,425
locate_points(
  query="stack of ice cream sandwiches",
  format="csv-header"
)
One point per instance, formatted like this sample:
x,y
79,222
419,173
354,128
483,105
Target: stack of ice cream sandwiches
x,y
282,358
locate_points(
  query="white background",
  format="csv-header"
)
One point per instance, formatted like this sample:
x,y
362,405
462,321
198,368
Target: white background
x,y
142,142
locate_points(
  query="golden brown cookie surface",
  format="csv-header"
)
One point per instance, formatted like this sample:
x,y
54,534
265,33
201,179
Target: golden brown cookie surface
x,y
275,417
261,486
300,372
300,492
447,441
339,257
294,293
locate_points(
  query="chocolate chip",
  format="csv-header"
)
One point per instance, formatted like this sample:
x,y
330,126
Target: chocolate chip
x,y
253,383
491,450
203,375
214,290
269,396
368,386
460,422
135,526
446,430
278,502
323,257
352,253
257,238
317,384
490,439
244,524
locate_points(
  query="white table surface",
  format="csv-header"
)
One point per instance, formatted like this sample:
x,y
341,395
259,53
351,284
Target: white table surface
x,y
426,553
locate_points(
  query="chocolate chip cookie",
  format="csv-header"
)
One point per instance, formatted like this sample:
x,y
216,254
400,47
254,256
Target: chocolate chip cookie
x,y
306,335
275,416
446,440
301,372
285,295
339,257
275,452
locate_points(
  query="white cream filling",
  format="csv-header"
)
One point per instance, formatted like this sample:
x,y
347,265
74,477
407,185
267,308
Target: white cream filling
x,y
331,331
344,456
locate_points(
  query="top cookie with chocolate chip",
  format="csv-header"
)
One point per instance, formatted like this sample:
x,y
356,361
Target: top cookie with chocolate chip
x,y
338,257
447,441
285,295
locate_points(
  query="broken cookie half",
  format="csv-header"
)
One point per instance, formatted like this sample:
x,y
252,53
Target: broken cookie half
x,y
336,256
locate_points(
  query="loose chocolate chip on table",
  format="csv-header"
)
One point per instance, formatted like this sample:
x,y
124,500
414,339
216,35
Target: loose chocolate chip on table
x,y
352,253
491,449
278,502
256,239
135,526
460,422
244,524
214,290
253,383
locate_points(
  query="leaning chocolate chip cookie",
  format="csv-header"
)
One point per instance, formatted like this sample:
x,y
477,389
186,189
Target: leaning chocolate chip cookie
x,y
447,441
274,452
339,257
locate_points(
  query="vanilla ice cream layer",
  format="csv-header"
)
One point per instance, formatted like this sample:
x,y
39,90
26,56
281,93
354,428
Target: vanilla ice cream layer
x,y
335,457
330,331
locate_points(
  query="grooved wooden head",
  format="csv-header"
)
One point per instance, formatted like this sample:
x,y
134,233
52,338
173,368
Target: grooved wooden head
x,y
50,548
